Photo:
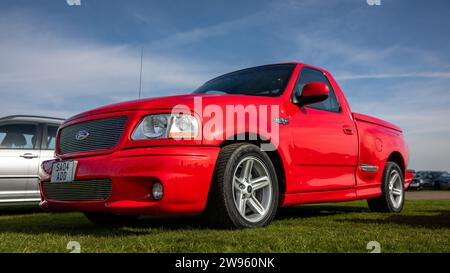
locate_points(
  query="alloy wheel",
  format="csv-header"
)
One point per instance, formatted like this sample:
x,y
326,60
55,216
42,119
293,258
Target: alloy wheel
x,y
252,189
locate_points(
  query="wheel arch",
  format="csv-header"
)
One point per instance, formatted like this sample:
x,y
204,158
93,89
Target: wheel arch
x,y
273,154
398,158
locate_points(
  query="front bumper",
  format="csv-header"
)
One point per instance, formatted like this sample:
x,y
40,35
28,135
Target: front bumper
x,y
184,171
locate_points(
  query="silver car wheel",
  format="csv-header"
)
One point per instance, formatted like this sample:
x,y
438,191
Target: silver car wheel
x,y
395,189
252,189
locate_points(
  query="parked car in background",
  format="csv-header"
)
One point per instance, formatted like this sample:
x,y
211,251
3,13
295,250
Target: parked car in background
x,y
443,182
429,179
426,180
416,183
25,141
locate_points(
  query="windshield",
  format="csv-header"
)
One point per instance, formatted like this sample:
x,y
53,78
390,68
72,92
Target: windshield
x,y
268,80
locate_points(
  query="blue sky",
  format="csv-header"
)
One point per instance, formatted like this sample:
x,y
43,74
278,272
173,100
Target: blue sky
x,y
392,60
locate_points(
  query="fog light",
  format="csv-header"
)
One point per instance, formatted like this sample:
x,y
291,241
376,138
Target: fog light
x,y
157,191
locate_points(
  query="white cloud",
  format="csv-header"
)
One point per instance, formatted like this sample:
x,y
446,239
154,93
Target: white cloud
x,y
421,109
201,33
50,75
417,101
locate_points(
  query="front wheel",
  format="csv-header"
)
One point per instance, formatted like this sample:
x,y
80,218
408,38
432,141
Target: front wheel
x,y
244,190
393,191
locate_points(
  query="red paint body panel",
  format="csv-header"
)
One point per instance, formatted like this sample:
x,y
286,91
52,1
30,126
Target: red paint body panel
x,y
376,145
376,121
320,154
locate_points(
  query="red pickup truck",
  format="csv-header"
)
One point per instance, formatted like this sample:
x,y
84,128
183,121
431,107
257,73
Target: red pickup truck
x,y
236,149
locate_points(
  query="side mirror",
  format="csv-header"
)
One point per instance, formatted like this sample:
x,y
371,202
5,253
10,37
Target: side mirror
x,y
312,92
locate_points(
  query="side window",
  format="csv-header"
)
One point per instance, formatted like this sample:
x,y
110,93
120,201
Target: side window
x,y
51,137
18,136
308,75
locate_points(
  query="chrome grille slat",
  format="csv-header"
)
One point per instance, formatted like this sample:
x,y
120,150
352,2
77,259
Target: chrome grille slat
x,y
86,190
103,134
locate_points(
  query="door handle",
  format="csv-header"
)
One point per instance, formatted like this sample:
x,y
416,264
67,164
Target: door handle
x,y
347,130
29,156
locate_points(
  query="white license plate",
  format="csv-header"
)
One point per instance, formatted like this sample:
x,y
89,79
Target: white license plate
x,y
63,171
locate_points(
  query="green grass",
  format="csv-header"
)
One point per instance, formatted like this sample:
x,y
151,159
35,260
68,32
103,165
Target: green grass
x,y
423,226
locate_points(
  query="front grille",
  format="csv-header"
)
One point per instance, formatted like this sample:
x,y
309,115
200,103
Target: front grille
x,y
102,134
88,190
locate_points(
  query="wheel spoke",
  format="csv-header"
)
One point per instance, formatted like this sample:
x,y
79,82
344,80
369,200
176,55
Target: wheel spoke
x,y
254,205
260,182
241,202
237,183
393,179
247,169
397,192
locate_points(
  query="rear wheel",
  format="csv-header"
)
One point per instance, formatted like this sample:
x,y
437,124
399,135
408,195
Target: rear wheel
x,y
106,219
393,191
244,190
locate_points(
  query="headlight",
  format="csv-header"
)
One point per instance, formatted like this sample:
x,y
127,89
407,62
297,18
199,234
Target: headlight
x,y
177,126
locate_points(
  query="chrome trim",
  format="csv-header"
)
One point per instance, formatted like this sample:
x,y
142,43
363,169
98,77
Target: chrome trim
x,y
283,121
81,135
103,133
84,190
368,168
13,192
20,200
19,176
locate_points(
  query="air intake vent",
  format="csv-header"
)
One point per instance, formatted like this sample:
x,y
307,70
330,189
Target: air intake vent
x,y
88,190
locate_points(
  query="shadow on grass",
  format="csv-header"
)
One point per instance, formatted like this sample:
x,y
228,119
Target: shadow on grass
x,y
316,211
30,221
76,224
19,211
438,219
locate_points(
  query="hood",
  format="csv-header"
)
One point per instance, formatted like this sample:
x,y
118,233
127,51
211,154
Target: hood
x,y
170,102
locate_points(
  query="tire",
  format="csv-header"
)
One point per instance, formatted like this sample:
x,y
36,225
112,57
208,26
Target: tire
x,y
250,200
393,196
106,219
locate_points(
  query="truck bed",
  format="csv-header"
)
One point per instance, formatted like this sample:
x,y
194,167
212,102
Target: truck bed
x,y
377,121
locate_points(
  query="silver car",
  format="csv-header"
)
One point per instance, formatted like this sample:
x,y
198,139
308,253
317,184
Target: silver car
x,y
25,141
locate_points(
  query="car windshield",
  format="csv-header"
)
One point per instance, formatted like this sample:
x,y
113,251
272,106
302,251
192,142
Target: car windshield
x,y
268,80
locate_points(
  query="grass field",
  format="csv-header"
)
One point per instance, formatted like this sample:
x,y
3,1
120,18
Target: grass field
x,y
423,226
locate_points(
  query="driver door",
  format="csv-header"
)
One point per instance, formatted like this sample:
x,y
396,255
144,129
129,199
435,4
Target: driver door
x,y
325,141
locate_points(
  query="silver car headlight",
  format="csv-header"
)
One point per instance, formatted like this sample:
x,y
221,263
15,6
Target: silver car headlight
x,y
162,126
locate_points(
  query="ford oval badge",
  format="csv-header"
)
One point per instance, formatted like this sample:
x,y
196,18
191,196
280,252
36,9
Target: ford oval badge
x,y
82,135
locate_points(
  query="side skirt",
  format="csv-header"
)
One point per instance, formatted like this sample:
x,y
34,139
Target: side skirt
x,y
366,192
